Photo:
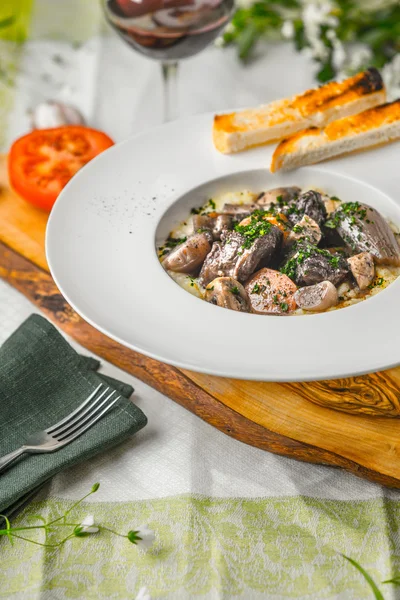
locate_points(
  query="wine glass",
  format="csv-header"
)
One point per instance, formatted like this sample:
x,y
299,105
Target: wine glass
x,y
168,30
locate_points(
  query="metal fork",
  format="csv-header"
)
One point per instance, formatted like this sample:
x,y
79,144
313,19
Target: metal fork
x,y
68,429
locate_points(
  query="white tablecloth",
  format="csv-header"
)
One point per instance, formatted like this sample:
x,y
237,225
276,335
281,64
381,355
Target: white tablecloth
x,y
177,455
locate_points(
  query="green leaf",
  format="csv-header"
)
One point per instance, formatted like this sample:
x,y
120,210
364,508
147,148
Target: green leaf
x,y
394,581
95,487
377,593
133,537
300,41
246,41
7,22
326,73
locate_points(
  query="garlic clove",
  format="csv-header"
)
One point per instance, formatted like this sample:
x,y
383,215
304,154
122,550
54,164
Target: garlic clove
x,y
55,114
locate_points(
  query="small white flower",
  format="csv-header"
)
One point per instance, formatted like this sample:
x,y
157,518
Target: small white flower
x,y
143,594
331,34
287,30
359,57
144,537
88,525
338,55
315,15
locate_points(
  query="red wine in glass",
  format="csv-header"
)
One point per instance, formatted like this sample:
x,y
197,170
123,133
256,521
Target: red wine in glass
x,y
168,30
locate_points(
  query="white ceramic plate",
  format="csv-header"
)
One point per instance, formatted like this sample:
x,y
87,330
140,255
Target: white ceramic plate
x,y
101,242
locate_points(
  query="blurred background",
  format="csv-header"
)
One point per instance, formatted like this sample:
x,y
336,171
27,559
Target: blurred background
x,y
66,50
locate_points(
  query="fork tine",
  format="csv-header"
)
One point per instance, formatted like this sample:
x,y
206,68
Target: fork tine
x,y
78,432
72,420
76,411
81,419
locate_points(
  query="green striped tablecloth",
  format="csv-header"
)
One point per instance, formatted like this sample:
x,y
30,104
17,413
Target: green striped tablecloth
x,y
231,521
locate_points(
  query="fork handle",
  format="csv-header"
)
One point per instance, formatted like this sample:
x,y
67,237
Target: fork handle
x,y
6,460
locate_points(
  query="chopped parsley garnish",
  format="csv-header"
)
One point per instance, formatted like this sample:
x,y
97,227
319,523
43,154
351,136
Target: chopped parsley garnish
x,y
235,290
210,289
172,242
335,261
212,203
303,251
378,282
192,280
290,267
257,227
256,289
353,212
196,211
298,228
284,306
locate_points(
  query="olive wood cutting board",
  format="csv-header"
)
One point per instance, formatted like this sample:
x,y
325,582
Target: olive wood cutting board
x,y
350,423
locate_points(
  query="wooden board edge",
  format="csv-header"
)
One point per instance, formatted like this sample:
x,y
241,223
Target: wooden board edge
x,y
37,285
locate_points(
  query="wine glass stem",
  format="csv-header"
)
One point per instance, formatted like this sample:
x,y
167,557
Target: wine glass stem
x,y
170,82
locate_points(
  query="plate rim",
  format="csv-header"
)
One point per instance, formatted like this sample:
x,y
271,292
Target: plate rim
x,y
181,364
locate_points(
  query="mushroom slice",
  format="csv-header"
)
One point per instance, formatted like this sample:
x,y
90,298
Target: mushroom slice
x,y
306,229
271,292
189,256
228,293
221,223
280,194
362,268
202,222
318,297
215,225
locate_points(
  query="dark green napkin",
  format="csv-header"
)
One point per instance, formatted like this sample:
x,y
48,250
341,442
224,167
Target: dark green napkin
x,y
42,379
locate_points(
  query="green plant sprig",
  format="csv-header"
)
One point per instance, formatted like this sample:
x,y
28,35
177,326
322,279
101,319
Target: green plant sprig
x,y
141,537
376,27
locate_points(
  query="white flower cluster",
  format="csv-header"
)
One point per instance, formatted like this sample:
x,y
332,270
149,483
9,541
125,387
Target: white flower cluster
x,y
314,15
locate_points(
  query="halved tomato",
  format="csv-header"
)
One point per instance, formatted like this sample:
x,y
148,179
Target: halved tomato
x,y
42,162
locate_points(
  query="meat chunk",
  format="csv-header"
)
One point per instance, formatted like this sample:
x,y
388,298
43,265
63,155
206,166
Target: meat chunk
x,y
233,257
309,265
277,219
306,229
271,292
363,229
228,293
189,256
318,297
331,203
362,268
282,195
310,203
